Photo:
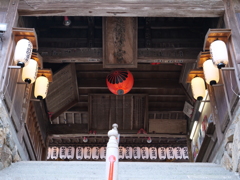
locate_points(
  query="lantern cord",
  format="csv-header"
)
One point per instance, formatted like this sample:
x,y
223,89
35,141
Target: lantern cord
x,y
232,86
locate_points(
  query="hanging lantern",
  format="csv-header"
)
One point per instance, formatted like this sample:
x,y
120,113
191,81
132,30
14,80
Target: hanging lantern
x,y
136,152
162,153
103,151
121,152
87,153
70,152
219,53
23,52
177,151
128,153
153,152
145,152
63,152
95,153
185,153
210,72
49,152
29,72
54,152
198,88
170,154
41,87
79,153
120,81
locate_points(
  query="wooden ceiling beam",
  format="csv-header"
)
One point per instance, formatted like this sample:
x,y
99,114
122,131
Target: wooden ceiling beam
x,y
67,128
145,55
141,8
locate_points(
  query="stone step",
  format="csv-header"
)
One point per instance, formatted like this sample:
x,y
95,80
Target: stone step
x,y
86,170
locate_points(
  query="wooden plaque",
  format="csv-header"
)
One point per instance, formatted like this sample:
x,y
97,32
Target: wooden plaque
x,y
63,91
120,42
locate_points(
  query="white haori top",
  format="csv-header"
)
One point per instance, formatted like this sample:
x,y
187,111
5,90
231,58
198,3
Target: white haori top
x,y
63,152
162,153
128,152
87,152
136,153
95,153
153,153
79,153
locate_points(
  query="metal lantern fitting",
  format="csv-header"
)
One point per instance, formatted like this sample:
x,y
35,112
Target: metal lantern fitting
x,y
120,81
219,53
198,88
29,72
211,72
23,52
41,87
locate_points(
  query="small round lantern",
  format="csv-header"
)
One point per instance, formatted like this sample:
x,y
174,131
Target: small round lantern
x,y
198,88
29,72
219,53
120,81
210,72
23,52
41,87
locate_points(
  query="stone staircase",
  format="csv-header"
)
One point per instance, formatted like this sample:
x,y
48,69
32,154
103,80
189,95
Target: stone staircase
x,y
86,170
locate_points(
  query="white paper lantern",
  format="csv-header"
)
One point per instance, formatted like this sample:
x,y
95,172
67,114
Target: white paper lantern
x,y
103,151
49,153
54,152
121,152
185,153
95,153
198,88
41,87
23,52
170,154
177,153
29,72
63,152
211,72
136,152
79,153
219,53
145,152
162,153
70,152
87,153
128,152
153,153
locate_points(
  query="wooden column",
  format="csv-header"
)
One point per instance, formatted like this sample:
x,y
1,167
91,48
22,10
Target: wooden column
x,y
231,22
9,15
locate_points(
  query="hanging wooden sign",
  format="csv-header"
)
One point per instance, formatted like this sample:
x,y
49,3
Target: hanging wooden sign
x,y
79,153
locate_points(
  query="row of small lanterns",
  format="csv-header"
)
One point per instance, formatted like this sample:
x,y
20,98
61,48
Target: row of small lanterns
x,y
219,55
22,58
124,153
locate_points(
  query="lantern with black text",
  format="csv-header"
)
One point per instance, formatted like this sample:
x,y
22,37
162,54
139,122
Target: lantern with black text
x,y
41,87
23,52
198,88
210,72
29,72
219,53
120,81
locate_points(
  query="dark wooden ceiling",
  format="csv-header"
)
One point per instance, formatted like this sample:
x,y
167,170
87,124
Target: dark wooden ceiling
x,y
173,43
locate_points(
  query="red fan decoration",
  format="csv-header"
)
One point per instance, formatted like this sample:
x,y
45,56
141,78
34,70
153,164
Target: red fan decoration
x,y
120,81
